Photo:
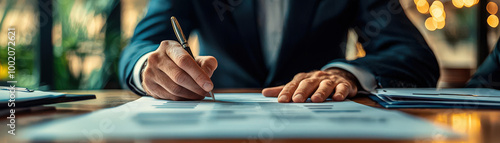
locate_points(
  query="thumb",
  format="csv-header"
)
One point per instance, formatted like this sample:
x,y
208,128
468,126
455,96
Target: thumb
x,y
272,91
207,63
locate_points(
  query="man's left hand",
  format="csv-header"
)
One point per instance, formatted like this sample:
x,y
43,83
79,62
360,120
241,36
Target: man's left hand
x,y
318,85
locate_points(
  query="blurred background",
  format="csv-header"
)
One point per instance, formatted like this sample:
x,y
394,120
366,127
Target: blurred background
x,y
76,44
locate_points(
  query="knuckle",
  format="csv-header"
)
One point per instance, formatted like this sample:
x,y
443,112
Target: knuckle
x,y
179,77
333,77
308,81
319,73
328,83
299,75
165,42
184,60
291,84
163,45
153,58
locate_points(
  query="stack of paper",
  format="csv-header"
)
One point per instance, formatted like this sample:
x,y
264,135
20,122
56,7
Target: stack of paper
x,y
236,115
472,98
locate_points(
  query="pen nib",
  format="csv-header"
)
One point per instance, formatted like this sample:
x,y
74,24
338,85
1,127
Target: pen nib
x,y
212,94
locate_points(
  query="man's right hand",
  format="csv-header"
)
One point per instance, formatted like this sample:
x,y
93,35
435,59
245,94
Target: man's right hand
x,y
171,73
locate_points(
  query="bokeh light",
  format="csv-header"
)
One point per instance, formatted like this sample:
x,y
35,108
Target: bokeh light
x,y
430,24
492,21
469,3
437,11
492,8
458,3
440,24
422,6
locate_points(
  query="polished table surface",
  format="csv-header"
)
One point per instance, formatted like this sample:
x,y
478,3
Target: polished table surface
x,y
478,125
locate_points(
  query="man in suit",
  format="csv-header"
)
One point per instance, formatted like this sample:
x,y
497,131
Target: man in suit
x,y
292,48
488,74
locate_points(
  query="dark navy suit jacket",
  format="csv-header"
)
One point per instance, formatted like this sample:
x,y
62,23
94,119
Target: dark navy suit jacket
x,y
488,74
314,35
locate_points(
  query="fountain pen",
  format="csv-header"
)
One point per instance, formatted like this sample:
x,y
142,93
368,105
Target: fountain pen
x,y
182,40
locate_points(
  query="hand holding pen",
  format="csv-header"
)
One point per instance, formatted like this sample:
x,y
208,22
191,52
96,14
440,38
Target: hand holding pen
x,y
172,72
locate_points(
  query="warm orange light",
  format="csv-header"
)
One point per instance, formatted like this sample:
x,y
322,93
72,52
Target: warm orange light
x,y
416,1
437,11
492,8
438,4
492,21
440,24
422,6
430,24
469,3
458,3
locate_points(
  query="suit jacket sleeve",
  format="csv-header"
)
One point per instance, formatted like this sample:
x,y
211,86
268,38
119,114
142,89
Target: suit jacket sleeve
x,y
151,30
396,52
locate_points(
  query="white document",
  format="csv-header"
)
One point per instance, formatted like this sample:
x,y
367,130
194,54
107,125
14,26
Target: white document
x,y
237,115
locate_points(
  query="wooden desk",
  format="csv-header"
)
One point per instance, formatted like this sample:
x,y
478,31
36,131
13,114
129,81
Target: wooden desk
x,y
478,125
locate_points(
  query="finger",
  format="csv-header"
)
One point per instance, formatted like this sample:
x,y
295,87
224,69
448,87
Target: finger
x,y
179,76
177,90
146,89
286,94
186,62
305,89
207,63
272,91
165,82
324,90
341,91
161,93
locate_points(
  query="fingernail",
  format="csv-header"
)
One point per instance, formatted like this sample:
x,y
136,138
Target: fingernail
x,y
339,97
207,86
319,96
283,98
298,96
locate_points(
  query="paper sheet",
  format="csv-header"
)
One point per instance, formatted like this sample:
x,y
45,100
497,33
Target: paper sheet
x,y
237,115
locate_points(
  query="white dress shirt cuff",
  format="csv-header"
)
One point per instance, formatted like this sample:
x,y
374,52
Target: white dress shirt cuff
x,y
136,73
365,78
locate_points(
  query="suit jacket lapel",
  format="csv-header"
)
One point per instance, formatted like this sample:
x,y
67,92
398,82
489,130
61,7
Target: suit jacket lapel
x,y
297,25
